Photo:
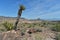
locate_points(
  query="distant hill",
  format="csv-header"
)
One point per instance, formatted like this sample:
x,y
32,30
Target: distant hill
x,y
13,19
22,20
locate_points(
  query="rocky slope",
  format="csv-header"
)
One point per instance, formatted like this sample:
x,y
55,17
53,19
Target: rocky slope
x,y
46,34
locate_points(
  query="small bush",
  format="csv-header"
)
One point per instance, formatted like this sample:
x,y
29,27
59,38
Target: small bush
x,y
8,26
1,29
38,30
56,28
58,37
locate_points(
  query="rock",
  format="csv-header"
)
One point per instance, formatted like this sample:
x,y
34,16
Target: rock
x,y
10,35
22,33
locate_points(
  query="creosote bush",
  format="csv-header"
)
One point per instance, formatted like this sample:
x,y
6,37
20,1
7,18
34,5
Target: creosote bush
x,y
8,26
56,28
58,37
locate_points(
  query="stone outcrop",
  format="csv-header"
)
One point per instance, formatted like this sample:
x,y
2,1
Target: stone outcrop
x,y
10,35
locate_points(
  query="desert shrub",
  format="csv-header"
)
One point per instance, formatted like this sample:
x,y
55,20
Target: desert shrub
x,y
44,23
31,25
34,23
2,30
8,26
38,30
58,37
56,28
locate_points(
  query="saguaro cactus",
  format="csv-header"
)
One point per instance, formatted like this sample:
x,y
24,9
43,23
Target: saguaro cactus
x,y
19,15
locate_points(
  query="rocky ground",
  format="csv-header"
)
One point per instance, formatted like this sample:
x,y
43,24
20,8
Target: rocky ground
x,y
46,34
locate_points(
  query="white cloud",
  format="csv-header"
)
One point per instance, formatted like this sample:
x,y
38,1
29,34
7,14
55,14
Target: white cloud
x,y
42,8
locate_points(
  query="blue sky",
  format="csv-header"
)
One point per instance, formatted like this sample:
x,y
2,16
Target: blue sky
x,y
44,9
